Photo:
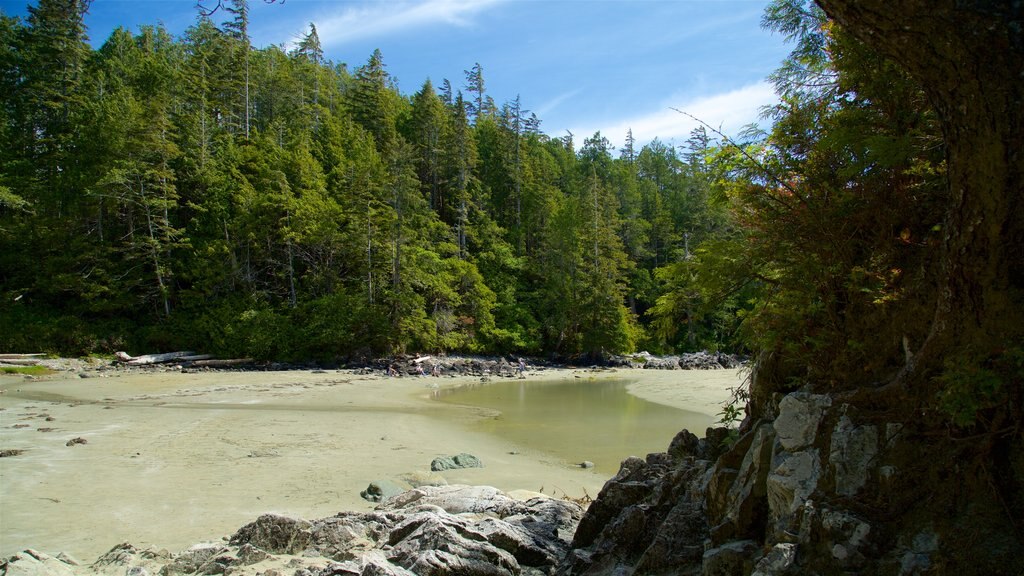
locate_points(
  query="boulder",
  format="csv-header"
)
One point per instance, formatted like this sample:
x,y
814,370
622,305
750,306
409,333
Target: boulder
x,y
455,462
792,480
34,563
275,534
800,414
381,490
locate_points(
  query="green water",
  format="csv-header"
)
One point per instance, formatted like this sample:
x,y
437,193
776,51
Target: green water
x,y
595,420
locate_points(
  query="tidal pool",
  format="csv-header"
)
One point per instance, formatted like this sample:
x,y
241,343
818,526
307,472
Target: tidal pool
x,y
577,420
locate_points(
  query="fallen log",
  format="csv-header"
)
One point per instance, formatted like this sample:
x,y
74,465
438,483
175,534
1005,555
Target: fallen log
x,y
19,361
5,357
221,363
152,358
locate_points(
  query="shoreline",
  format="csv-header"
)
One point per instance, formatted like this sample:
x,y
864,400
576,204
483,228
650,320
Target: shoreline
x,y
175,458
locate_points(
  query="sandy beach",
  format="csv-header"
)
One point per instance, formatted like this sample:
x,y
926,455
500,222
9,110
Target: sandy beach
x,y
173,459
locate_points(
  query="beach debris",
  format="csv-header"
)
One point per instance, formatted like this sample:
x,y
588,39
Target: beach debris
x,y
78,440
586,464
11,452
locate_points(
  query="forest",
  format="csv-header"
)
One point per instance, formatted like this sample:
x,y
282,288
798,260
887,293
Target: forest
x,y
196,192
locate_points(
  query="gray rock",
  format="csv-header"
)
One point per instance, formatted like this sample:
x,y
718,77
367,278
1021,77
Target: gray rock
x,y
848,535
852,455
454,462
800,414
647,519
779,561
275,534
381,490
743,504
34,563
792,481
586,464
732,559
430,544
199,559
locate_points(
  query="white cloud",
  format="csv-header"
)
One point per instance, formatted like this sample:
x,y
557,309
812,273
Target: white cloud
x,y
384,17
728,112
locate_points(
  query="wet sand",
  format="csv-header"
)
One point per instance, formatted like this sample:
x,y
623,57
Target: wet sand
x,y
174,459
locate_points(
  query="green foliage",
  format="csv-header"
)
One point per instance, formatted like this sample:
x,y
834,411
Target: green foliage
x,y
973,384
198,193
26,370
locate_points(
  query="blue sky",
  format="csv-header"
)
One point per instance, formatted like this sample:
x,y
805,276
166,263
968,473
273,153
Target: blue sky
x,y
580,65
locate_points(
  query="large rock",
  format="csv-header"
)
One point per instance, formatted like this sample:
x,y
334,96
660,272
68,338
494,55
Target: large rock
x,y
649,518
455,462
35,563
852,455
793,479
736,498
275,534
800,414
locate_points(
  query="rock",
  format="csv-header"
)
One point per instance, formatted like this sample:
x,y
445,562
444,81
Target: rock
x,y
852,455
275,534
454,462
249,554
685,444
34,563
429,544
732,559
381,490
849,536
647,519
74,441
736,500
68,559
799,416
586,464
448,530
779,561
199,559
792,481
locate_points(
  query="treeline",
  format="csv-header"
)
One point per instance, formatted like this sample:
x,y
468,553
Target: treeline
x,y
194,192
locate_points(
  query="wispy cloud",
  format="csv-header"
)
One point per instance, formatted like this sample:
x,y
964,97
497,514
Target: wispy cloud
x,y
728,111
554,102
380,18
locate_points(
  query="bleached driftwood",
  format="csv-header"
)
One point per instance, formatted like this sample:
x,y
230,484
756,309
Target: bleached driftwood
x,y
19,361
154,358
222,363
8,357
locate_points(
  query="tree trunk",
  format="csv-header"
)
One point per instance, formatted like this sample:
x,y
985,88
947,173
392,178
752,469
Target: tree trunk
x,y
969,58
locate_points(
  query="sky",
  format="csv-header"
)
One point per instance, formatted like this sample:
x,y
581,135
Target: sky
x,y
581,65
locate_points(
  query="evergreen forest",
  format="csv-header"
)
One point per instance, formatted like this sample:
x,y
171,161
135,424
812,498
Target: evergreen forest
x,y
196,192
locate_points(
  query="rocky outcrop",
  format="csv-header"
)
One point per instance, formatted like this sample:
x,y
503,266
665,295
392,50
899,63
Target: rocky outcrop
x,y
817,486
646,519
427,531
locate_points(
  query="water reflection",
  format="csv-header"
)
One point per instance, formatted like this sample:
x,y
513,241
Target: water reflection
x,y
596,420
